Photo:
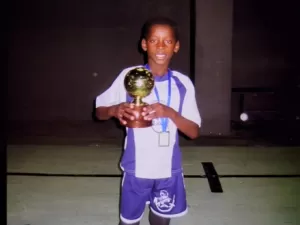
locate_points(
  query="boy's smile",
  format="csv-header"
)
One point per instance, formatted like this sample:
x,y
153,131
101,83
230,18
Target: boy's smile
x,y
160,45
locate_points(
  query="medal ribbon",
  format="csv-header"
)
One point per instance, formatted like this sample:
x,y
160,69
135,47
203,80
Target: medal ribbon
x,y
164,121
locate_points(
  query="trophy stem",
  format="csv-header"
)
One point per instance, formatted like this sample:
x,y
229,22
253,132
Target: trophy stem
x,y
138,101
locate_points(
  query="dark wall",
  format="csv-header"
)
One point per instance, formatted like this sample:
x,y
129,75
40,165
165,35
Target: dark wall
x,y
262,35
264,56
214,64
64,53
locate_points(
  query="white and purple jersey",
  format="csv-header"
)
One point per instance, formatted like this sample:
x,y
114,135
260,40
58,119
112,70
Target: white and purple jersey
x,y
143,156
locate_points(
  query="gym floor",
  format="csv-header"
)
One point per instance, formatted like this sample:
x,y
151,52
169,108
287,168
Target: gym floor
x,y
79,184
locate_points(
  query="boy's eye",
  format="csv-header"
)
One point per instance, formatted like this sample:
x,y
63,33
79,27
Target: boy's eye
x,y
169,42
152,41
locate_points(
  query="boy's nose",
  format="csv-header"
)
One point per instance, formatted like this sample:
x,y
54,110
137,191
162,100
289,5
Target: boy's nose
x,y
161,44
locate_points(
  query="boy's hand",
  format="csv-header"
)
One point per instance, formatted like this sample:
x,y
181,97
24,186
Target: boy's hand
x,y
157,110
122,111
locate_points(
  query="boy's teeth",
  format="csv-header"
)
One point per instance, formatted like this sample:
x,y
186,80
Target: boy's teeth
x,y
160,56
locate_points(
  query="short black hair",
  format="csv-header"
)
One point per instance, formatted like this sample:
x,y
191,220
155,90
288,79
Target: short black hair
x,y
160,21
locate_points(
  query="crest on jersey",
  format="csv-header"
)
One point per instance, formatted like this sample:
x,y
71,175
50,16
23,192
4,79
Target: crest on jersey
x,y
164,203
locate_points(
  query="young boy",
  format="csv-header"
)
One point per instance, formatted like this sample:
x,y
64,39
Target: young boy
x,y
151,162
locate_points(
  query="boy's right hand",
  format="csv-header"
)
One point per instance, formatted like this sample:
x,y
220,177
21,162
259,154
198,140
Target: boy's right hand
x,y
123,111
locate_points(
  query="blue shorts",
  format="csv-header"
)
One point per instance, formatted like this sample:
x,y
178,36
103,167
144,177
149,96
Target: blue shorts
x,y
166,197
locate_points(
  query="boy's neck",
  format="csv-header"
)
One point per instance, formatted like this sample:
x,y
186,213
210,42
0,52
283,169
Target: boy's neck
x,y
158,70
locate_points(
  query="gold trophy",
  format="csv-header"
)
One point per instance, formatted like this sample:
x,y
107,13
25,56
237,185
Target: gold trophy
x,y
138,83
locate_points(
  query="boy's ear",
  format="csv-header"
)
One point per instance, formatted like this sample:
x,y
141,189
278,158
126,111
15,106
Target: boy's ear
x,y
177,47
144,44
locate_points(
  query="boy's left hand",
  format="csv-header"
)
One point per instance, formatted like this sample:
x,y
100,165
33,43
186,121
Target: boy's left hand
x,y
157,110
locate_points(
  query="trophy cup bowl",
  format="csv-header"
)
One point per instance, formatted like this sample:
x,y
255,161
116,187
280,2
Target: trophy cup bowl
x,y
138,83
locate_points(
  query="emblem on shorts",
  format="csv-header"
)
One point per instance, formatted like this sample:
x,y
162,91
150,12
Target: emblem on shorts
x,y
164,203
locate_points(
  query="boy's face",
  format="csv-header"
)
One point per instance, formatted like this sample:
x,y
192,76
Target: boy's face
x,y
160,44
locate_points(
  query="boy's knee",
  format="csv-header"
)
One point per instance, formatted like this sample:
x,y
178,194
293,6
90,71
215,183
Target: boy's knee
x,y
122,223
157,220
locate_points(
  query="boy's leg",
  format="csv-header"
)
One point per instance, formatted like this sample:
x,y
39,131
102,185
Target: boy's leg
x,y
157,220
135,194
122,223
168,199
153,219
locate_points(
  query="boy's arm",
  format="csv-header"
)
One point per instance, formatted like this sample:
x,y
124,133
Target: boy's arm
x,y
111,103
188,127
120,111
188,121
106,102
105,112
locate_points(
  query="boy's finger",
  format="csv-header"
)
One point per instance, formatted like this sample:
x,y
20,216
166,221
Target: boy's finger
x,y
126,105
128,116
148,111
123,121
149,116
129,111
148,107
